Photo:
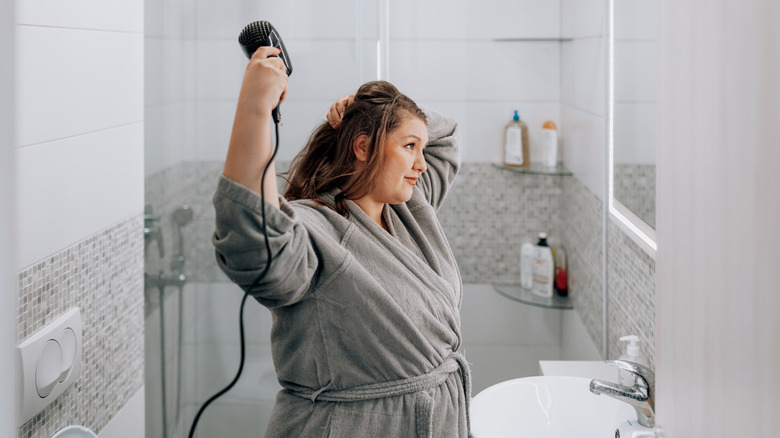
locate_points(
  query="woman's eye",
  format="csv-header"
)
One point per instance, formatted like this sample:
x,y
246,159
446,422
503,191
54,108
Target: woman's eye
x,y
410,145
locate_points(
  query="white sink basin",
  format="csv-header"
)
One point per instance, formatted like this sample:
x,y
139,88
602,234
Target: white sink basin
x,y
548,407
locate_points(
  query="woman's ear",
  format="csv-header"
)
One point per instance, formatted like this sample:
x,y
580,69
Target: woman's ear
x,y
360,147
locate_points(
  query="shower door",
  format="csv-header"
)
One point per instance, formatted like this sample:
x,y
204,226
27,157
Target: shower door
x,y
194,68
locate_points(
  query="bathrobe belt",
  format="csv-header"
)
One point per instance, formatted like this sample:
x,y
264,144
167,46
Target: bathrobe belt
x,y
424,402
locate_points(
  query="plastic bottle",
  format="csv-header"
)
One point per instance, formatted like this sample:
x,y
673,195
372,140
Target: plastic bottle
x,y
516,143
549,144
543,268
526,265
632,354
561,272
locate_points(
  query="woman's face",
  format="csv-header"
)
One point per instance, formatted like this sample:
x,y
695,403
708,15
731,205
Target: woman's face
x,y
403,162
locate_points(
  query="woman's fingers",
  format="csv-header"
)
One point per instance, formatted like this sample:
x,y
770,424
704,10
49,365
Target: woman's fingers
x,y
337,110
265,80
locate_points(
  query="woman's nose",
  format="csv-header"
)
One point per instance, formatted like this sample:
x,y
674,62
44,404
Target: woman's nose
x,y
419,162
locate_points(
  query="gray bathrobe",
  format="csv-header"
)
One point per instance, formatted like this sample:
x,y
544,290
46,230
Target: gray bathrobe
x,y
366,323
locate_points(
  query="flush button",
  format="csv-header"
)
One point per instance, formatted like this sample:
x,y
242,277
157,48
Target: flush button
x,y
49,361
48,368
68,345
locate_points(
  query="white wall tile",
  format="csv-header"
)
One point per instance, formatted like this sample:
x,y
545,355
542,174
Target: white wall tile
x,y
219,69
154,71
635,70
488,318
92,81
583,18
215,121
585,148
476,70
243,418
165,143
119,15
321,69
482,124
154,139
583,71
464,19
495,364
636,19
217,365
635,132
293,19
576,344
129,421
68,189
217,310
8,301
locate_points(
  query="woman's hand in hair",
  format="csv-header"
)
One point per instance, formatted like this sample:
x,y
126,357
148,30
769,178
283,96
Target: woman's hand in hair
x,y
336,112
265,82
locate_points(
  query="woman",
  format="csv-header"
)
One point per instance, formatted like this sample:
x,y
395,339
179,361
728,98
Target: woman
x,y
363,287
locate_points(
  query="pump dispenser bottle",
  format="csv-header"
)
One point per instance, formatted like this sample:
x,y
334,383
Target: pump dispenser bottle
x,y
543,265
632,354
516,143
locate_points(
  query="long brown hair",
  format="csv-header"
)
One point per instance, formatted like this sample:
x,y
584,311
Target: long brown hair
x,y
328,162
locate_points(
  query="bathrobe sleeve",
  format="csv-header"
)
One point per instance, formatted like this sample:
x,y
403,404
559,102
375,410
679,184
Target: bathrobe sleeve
x,y
240,245
442,155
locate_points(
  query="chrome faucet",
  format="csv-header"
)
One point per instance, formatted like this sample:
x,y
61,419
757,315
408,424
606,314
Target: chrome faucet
x,y
152,233
641,395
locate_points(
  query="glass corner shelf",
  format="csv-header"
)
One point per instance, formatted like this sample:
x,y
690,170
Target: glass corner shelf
x,y
532,40
537,169
517,293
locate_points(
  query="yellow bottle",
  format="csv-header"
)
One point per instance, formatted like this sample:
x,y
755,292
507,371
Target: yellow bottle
x,y
516,143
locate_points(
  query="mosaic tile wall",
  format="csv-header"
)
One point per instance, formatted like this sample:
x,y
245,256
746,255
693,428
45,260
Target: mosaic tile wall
x,y
583,233
631,279
483,199
490,212
103,276
634,186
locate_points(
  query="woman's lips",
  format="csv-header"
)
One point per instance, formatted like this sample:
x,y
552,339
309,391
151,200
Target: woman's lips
x,y
412,179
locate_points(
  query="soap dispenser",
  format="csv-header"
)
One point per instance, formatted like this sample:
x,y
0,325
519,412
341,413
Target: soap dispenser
x,y
516,145
632,354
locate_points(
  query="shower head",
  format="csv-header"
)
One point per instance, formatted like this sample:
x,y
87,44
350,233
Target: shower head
x,y
182,215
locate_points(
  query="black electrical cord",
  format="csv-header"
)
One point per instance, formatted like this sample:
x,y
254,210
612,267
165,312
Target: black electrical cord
x,y
246,294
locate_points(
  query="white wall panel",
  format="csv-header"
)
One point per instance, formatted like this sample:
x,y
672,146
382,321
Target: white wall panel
x,y
69,189
584,69
294,19
215,121
635,70
476,71
717,349
154,71
511,323
482,125
635,132
583,18
635,19
8,299
584,150
93,80
468,19
118,15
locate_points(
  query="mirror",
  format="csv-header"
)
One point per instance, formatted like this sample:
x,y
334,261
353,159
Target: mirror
x,y
632,115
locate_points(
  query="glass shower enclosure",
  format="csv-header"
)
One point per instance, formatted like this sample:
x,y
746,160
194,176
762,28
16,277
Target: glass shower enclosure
x,y
193,72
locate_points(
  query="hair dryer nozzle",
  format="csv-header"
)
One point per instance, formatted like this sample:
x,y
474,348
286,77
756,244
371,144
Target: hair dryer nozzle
x,y
262,33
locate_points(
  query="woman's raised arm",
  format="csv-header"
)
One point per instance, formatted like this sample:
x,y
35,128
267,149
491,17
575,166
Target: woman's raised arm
x,y
263,88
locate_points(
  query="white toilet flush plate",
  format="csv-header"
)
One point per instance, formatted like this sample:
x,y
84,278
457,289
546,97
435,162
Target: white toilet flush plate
x,y
48,362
